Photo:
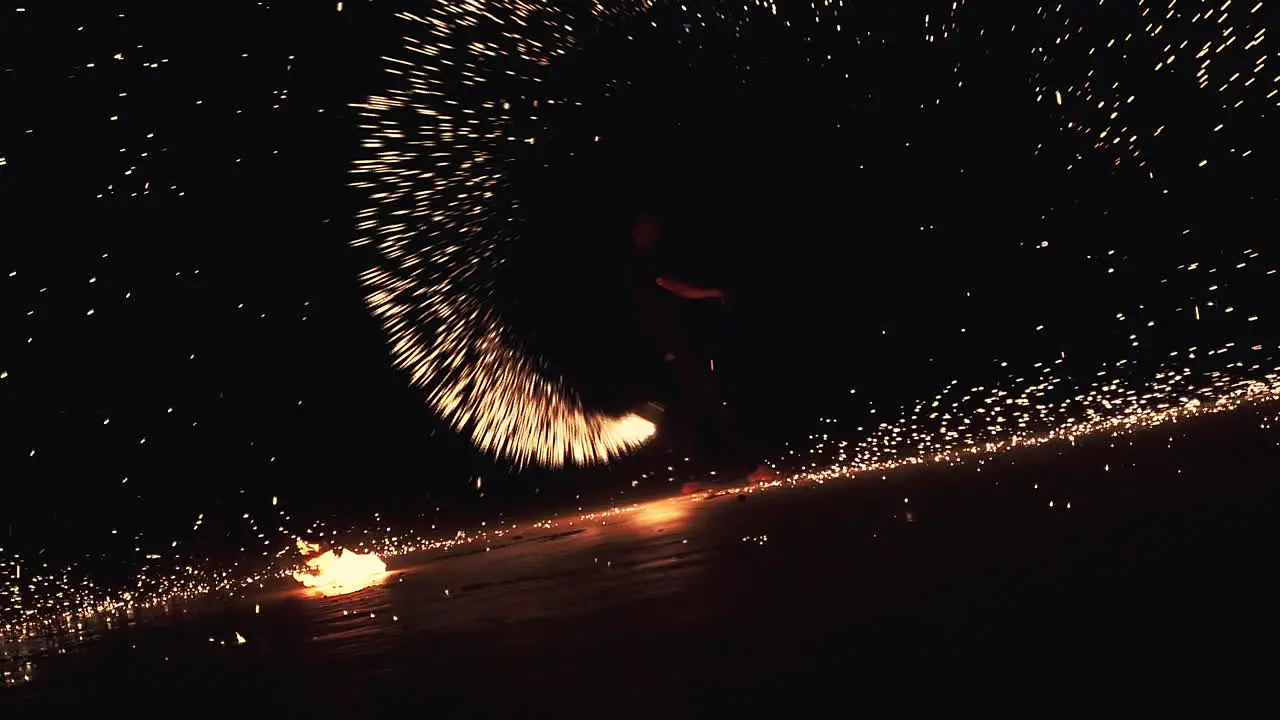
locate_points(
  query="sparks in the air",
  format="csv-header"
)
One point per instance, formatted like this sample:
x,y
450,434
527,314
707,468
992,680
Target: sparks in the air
x,y
439,213
438,218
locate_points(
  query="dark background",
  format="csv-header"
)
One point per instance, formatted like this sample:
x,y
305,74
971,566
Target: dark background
x,y
874,206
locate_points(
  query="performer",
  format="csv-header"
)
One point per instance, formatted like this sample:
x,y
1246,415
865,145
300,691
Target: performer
x,y
682,307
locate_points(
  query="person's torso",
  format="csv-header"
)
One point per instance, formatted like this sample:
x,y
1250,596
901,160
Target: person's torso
x,y
666,316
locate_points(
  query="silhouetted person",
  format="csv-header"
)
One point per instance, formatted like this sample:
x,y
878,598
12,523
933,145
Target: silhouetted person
x,y
681,306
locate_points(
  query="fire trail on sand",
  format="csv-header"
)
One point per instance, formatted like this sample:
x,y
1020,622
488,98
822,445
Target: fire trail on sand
x,y
340,572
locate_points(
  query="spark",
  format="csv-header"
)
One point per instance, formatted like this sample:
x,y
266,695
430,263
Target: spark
x,y
438,217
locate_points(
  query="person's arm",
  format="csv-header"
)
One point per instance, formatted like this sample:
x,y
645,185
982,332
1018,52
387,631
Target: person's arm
x,y
688,291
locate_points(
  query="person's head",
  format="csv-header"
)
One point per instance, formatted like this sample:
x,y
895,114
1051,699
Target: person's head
x,y
647,232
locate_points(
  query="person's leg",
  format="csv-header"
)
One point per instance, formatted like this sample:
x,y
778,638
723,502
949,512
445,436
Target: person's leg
x,y
719,440
700,416
735,455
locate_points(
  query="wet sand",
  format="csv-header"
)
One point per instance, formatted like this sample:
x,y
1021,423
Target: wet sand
x,y
1135,568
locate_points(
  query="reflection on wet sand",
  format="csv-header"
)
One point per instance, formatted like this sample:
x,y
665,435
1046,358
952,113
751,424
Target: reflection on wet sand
x,y
1033,557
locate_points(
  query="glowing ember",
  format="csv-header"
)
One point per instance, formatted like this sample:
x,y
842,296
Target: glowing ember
x,y
340,573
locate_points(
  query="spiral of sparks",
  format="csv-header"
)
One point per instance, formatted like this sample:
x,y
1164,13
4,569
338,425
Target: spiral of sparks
x,y
439,213
438,217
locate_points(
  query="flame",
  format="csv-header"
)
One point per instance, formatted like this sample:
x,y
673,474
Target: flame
x,y
339,573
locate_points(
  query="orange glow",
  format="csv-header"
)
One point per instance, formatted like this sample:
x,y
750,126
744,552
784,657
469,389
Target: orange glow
x,y
662,514
341,573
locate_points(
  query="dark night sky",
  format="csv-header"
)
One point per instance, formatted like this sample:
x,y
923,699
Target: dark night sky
x,y
873,216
